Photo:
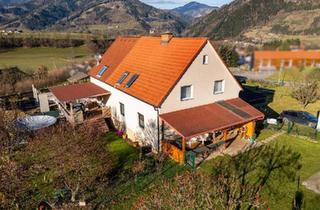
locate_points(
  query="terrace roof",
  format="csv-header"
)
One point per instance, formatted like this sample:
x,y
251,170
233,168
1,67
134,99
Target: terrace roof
x,y
218,116
75,92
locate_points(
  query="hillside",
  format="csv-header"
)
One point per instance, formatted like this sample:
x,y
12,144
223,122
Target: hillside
x,y
242,16
112,17
194,10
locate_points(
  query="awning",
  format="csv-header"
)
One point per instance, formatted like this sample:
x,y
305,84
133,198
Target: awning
x,y
211,117
75,92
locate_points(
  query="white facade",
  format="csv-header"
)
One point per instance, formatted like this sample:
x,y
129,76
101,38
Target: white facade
x,y
202,77
202,74
132,107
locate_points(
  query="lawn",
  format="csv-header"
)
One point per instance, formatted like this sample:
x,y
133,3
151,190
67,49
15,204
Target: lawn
x,y
282,100
310,165
29,59
286,190
292,74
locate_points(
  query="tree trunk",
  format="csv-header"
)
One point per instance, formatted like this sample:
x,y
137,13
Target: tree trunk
x,y
73,196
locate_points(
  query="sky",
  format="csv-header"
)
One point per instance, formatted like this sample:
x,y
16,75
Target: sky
x,y
169,4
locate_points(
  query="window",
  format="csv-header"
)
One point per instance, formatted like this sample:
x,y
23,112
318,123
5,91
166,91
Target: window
x,y
205,59
186,92
132,80
218,86
102,70
141,120
122,112
123,77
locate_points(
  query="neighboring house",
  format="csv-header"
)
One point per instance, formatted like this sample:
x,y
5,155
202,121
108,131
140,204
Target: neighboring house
x,y
278,60
173,93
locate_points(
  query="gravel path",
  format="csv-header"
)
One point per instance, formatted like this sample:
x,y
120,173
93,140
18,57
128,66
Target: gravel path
x,y
313,183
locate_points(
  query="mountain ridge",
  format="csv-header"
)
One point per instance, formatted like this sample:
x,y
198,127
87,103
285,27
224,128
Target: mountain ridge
x,y
116,17
194,9
240,16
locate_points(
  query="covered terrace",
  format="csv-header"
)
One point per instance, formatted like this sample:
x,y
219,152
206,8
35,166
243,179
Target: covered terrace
x,y
79,102
200,130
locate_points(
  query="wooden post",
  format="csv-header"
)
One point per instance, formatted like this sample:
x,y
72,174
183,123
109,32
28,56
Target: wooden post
x,y
184,142
162,130
225,136
251,127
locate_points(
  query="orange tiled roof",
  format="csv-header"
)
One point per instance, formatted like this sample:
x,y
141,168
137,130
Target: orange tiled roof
x,y
300,54
159,66
114,56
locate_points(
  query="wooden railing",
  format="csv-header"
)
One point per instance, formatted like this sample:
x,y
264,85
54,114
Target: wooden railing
x,y
173,151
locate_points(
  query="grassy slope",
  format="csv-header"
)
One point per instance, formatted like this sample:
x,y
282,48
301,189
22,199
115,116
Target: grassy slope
x,y
29,59
124,190
310,165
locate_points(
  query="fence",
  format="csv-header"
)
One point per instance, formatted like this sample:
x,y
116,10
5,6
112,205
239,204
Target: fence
x,y
295,129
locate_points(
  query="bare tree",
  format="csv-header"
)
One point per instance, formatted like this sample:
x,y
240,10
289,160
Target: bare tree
x,y
78,158
41,73
306,92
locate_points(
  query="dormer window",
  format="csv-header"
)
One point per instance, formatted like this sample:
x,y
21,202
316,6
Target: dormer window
x,y
205,60
123,77
102,71
132,80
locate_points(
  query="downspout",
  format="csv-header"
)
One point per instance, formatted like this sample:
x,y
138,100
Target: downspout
x,y
158,127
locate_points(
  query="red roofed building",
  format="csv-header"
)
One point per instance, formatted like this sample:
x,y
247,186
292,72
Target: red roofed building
x,y
277,60
174,94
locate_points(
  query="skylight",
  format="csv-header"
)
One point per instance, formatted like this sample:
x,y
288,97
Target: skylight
x,y
132,80
123,77
102,70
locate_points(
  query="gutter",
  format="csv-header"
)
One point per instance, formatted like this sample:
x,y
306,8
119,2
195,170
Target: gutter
x,y
158,127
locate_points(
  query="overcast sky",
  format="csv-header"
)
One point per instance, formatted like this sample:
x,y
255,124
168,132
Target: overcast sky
x,y
169,4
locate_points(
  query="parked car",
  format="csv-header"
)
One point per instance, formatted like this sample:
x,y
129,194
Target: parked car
x,y
241,79
300,117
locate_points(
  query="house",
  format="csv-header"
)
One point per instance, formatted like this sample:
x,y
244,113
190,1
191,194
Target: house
x,y
174,94
278,60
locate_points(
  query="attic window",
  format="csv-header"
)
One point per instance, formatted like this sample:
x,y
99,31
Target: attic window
x,y
132,80
123,77
205,60
102,70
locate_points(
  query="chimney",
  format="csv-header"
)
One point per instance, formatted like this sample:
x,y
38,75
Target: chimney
x,y
166,37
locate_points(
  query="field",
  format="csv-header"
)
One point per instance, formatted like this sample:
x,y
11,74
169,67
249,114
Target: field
x,y
54,35
295,74
29,59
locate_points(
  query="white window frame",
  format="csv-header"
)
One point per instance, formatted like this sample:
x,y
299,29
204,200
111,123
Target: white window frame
x,y
191,93
139,122
205,60
124,109
223,86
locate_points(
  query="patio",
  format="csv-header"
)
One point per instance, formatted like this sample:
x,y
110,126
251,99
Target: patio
x,y
191,135
81,102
